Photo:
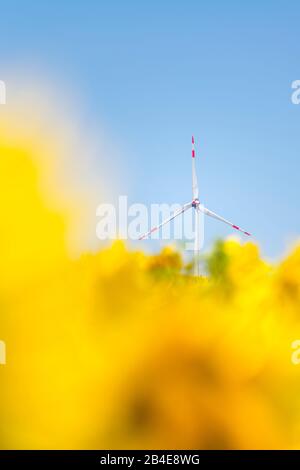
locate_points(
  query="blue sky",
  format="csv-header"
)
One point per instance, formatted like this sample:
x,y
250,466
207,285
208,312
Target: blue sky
x,y
153,73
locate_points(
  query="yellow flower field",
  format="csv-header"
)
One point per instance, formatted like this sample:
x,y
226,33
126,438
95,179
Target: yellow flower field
x,y
119,349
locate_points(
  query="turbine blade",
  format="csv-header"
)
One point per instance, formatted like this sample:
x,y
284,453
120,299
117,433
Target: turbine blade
x,y
154,229
218,217
195,189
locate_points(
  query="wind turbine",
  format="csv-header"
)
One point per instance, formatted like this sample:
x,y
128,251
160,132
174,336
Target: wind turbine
x,y
195,204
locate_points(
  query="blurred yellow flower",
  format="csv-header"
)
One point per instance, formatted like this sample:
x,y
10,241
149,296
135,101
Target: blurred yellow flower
x,y
120,349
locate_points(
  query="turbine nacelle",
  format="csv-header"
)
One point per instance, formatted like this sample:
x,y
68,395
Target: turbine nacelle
x,y
195,203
